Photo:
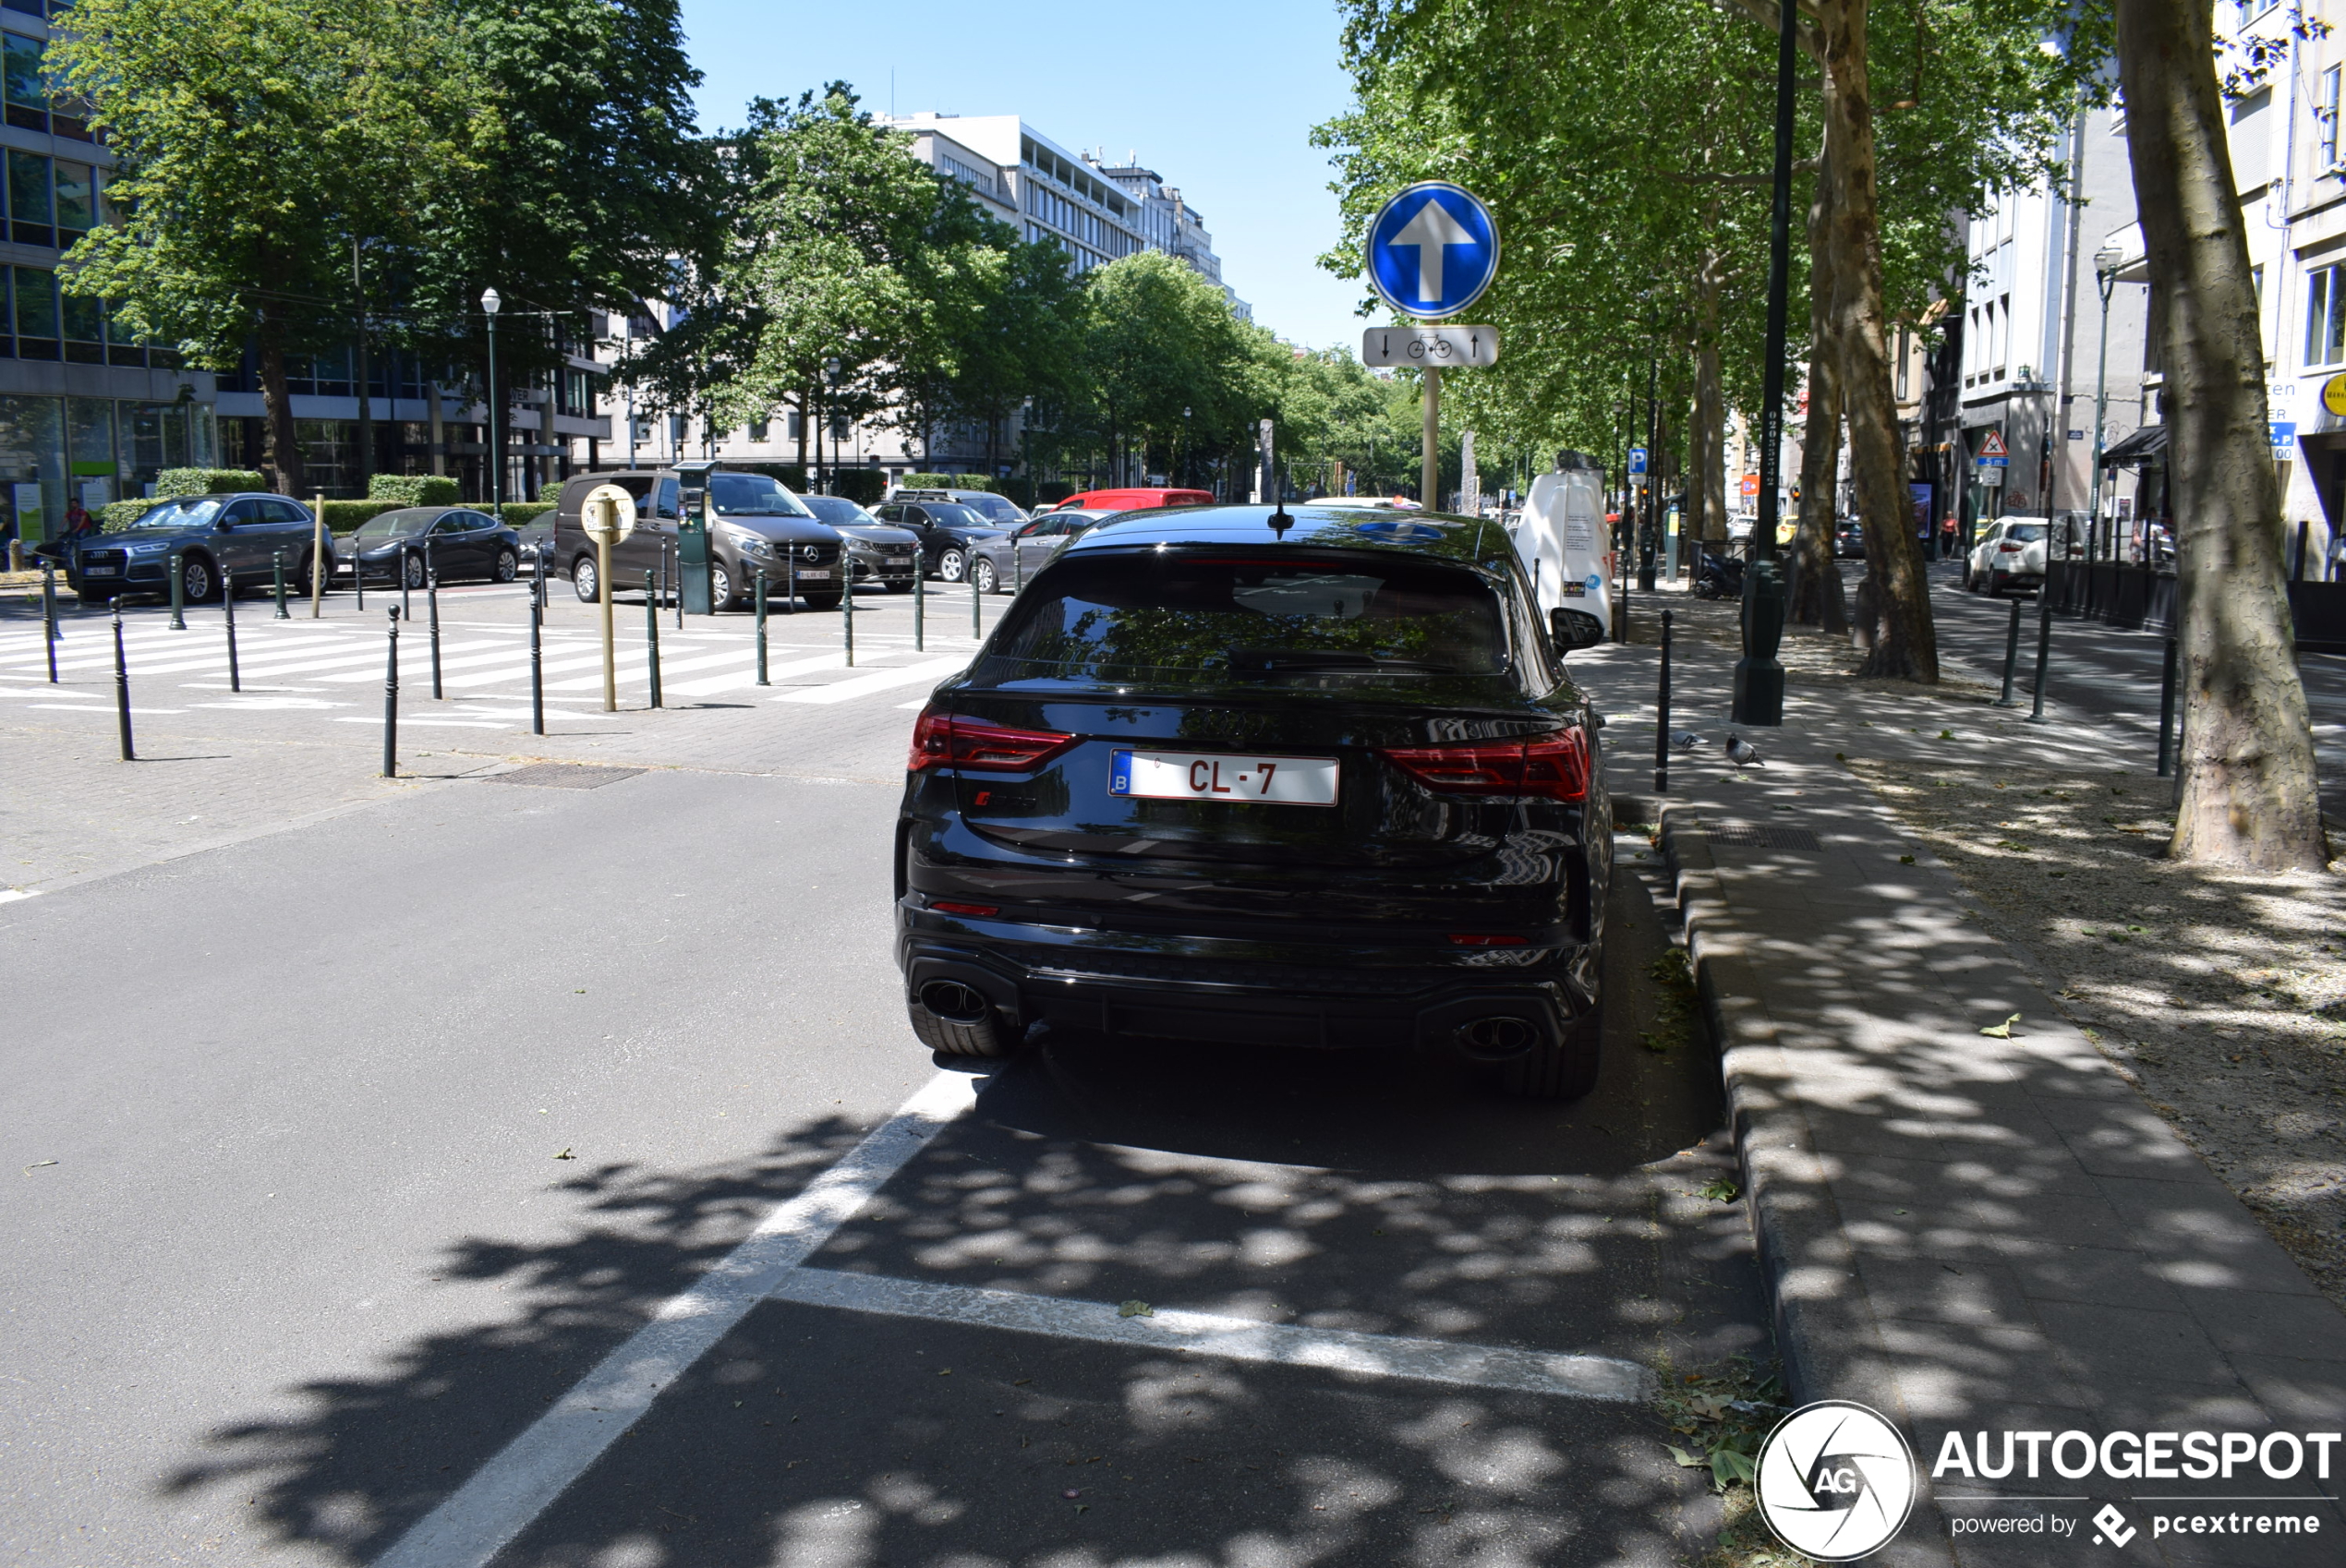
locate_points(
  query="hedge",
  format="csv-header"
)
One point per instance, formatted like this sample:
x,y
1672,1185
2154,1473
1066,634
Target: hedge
x,y
790,476
206,481
413,489
972,482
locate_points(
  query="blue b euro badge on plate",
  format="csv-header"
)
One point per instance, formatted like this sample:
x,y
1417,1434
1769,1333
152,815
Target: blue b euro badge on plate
x,y
1119,773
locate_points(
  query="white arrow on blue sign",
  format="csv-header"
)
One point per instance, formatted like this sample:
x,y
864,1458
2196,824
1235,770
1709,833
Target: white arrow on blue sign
x,y
1432,249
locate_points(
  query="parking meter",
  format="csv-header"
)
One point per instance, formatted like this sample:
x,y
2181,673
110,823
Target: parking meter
x,y
692,536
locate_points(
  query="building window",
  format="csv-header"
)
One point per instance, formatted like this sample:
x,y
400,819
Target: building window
x,y
2326,113
31,219
759,432
27,100
2325,316
36,292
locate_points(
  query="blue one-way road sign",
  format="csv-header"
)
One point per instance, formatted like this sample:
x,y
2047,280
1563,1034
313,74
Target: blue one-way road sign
x,y
1432,251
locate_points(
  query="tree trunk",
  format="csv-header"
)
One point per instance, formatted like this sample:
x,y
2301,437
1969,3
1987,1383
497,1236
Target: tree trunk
x,y
2248,784
281,446
805,424
1707,448
1909,645
1819,599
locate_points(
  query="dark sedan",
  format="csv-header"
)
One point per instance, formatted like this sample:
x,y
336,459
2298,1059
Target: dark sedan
x,y
415,542
1313,777
1001,565
946,530
211,538
1849,540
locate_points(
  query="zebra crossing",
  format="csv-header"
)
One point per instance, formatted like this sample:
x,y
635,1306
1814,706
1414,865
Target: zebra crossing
x,y
333,670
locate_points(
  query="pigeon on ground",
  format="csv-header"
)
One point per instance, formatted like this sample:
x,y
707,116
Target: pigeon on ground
x,y
1742,752
1686,739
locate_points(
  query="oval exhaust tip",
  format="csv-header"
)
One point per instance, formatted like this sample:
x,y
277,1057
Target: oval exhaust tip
x,y
954,1002
1496,1039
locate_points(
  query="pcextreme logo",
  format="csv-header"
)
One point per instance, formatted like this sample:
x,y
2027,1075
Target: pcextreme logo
x,y
1835,1481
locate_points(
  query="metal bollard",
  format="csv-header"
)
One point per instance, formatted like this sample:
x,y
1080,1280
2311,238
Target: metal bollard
x,y
2012,658
847,608
976,630
358,575
2044,651
790,584
121,688
1661,716
431,603
49,616
675,555
280,568
919,576
2167,712
178,594
536,666
406,606
762,589
651,632
228,617
391,701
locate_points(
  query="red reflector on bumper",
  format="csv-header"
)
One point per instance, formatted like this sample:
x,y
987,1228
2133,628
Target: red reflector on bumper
x,y
979,911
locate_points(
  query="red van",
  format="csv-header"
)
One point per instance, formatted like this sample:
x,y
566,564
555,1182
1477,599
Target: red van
x,y
1135,501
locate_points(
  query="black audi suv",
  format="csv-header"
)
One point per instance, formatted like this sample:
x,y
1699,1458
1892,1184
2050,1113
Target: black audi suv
x,y
1312,778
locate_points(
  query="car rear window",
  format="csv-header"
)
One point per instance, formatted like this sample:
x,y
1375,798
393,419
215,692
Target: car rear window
x,y
2028,533
996,508
1199,618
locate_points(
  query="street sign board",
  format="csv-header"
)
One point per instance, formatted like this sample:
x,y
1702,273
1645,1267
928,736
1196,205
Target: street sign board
x,y
1993,450
1751,484
2284,437
607,515
1432,249
1990,474
1450,347
2334,395
1636,460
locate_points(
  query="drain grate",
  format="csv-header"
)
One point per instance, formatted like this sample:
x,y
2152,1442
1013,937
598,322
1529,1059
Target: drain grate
x,y
564,775
1760,836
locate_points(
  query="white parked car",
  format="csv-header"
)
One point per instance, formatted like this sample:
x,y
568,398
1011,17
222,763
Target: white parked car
x,y
2011,554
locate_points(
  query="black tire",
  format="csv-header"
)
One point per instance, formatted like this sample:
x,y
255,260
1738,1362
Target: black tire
x,y
584,581
982,572
90,597
722,593
298,585
828,599
197,579
953,563
947,1038
1995,584
507,567
412,568
1563,1071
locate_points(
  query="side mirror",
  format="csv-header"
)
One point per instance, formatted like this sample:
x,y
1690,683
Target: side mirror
x,y
1574,629
223,526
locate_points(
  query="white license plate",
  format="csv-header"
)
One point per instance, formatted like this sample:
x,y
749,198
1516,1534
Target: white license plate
x,y
95,570
809,576
1214,776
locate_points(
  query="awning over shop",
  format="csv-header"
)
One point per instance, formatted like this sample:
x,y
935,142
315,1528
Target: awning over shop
x,y
2145,445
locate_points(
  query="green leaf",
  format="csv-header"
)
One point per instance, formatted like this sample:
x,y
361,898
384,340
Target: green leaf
x,y
2001,1031
1685,1459
1727,1466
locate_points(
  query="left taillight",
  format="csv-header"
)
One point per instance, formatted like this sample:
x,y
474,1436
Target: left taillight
x,y
944,739
1554,765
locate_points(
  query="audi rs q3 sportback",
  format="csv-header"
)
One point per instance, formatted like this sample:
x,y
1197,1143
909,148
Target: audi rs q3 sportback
x,y
1308,777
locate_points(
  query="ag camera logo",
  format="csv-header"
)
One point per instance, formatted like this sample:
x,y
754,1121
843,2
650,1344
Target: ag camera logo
x,y
1835,1481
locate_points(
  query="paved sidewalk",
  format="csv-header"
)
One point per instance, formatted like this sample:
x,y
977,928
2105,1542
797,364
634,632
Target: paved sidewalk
x,y
1968,1233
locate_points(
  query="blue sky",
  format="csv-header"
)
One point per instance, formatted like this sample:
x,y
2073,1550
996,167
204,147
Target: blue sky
x,y
1219,96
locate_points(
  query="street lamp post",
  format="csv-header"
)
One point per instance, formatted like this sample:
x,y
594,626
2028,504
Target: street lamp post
x,y
489,302
2106,264
830,406
1758,679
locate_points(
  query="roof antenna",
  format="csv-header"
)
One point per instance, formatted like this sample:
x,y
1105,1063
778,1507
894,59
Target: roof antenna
x,y
1280,520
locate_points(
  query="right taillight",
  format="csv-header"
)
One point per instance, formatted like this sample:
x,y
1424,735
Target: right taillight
x,y
943,740
1554,764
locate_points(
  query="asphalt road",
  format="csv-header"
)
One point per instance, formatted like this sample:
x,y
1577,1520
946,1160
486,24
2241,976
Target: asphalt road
x,y
2108,674
346,1152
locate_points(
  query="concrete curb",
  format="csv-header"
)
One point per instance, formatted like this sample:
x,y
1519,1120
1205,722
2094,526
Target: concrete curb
x,y
1822,1318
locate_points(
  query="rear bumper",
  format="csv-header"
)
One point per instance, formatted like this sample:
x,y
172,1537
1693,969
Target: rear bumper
x,y
1240,992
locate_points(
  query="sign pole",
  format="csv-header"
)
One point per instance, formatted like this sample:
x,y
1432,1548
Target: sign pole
x,y
318,558
1431,458
602,595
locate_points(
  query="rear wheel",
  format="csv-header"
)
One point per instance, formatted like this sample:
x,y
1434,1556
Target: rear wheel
x,y
585,581
953,565
984,575
972,1030
1565,1070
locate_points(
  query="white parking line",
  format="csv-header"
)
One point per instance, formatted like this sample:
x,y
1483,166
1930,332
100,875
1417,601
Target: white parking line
x,y
1235,1339
501,1498
864,686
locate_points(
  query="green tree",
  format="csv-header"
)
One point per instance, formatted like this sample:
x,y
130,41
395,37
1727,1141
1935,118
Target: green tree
x,y
1164,361
255,140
